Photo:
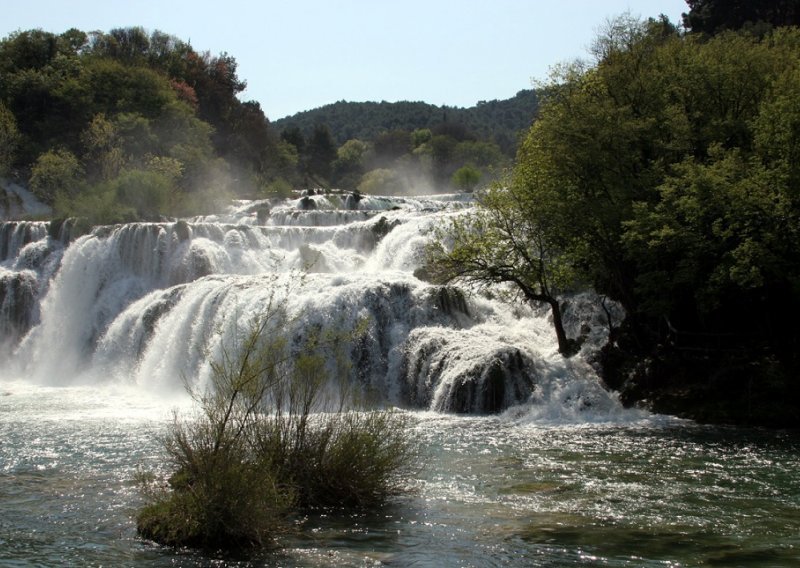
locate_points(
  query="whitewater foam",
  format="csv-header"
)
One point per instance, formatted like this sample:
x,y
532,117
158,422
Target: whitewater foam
x,y
145,304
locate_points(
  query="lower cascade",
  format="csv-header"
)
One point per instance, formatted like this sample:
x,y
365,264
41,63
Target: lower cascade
x,y
145,303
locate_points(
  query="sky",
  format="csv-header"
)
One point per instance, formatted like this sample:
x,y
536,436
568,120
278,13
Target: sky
x,y
297,55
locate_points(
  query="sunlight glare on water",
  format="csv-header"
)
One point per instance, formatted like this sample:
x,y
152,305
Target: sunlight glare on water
x,y
490,491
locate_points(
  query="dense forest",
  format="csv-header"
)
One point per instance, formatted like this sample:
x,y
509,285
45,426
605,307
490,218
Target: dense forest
x,y
129,125
665,176
500,121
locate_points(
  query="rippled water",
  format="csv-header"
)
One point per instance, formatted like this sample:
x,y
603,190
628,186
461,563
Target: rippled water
x,y
492,491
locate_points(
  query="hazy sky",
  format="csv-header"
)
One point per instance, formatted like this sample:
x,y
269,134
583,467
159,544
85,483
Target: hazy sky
x,y
300,54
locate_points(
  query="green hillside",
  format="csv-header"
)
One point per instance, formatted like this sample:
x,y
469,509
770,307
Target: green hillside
x,y
500,121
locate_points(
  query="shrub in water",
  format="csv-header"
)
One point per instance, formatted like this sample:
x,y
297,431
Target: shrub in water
x,y
267,439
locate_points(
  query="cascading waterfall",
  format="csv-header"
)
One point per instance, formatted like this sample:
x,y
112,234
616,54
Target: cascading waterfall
x,y
143,303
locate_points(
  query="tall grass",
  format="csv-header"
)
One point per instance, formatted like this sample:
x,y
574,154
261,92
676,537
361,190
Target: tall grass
x,y
268,439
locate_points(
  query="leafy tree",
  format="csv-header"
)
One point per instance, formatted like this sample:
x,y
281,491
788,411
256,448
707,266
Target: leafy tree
x,y
442,148
146,192
294,136
467,177
9,139
665,176
56,172
321,151
420,136
102,152
117,87
32,49
351,153
349,164
381,182
98,204
388,146
283,162
72,42
121,99
714,16
502,243
479,153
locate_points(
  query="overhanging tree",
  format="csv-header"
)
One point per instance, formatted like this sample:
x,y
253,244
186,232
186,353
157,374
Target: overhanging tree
x,y
503,242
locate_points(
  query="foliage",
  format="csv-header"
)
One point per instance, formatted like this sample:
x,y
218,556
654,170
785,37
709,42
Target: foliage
x,y
9,139
56,172
666,177
321,152
503,243
466,177
267,440
98,205
714,16
147,193
499,121
278,188
381,182
349,164
128,100
118,100
388,146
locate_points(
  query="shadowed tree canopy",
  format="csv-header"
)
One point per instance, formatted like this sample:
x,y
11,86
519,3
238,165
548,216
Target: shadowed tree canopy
x,y
713,16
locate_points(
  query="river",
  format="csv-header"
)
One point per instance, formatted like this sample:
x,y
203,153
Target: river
x,y
526,460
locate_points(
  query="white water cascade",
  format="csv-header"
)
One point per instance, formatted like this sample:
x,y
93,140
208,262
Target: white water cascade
x,y
141,303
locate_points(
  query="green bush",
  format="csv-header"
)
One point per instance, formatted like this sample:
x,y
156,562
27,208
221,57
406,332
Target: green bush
x,y
146,192
98,205
219,496
361,455
56,172
277,188
267,440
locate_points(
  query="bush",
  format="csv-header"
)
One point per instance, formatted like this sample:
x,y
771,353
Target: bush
x,y
56,172
146,192
361,452
381,182
98,205
466,177
218,497
268,440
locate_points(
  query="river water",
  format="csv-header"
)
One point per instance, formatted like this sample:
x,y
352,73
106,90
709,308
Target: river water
x,y
526,460
491,491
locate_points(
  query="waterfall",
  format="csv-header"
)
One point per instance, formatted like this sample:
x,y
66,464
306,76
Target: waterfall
x,y
145,303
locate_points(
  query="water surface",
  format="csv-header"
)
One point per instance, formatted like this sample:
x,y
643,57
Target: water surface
x,y
509,490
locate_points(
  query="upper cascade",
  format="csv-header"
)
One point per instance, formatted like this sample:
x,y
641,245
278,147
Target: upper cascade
x,y
146,302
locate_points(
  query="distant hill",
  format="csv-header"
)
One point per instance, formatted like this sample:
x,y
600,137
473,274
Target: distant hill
x,y
498,120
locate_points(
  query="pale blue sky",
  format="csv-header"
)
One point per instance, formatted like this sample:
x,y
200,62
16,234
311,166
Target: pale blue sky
x,y
301,54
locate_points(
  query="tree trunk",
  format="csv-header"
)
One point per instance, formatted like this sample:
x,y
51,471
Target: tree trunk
x,y
567,347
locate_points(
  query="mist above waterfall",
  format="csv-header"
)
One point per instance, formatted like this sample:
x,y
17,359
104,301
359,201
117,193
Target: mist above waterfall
x,y
146,304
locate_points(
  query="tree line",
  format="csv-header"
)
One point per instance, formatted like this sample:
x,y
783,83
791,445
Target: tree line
x,y
128,124
407,146
499,121
132,124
